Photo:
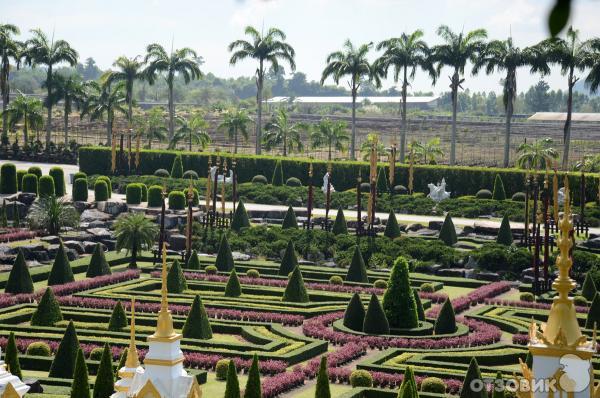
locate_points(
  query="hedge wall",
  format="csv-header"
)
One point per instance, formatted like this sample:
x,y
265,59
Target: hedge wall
x,y
460,180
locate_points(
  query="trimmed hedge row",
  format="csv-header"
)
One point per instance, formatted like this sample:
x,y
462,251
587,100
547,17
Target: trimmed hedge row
x,y
461,180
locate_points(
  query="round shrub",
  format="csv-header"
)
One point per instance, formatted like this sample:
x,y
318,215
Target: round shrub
x,y
483,194
336,280
46,186
361,378
79,174
58,175
190,174
365,187
259,179
30,183
529,297
108,184
176,200
100,191
162,173
96,354
195,198
293,182
210,270
427,287
221,369
8,178
133,194
20,175
39,349
434,385
400,190
252,273
80,190
580,300
518,197
35,170
380,284
155,196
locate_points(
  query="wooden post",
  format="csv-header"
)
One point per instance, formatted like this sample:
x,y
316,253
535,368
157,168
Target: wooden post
x,y
526,226
223,187
328,196
310,195
208,186
233,184
358,203
546,232
190,221
161,234
215,187
582,201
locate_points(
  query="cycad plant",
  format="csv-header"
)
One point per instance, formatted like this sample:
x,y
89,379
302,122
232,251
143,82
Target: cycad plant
x,y
134,233
52,214
235,123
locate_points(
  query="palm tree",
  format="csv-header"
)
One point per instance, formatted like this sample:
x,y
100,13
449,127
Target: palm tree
x,y
455,52
365,147
71,91
427,152
104,100
571,54
502,55
281,131
129,70
537,156
269,50
333,135
589,164
183,61
236,122
193,131
134,233
405,54
27,110
9,48
44,51
152,125
351,61
52,214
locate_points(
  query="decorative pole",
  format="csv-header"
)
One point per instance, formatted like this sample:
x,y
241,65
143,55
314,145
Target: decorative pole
x,y
163,210
215,186
129,132
546,230
138,146
133,360
373,182
328,197
555,204
190,220
223,187
411,170
208,186
310,195
526,227
535,236
121,155
358,202
582,201
234,183
392,171
113,159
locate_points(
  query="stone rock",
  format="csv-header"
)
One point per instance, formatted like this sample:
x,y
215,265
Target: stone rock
x,y
97,224
6,258
487,276
177,242
75,245
40,256
426,232
50,239
593,243
89,246
452,272
81,206
238,256
112,206
93,215
414,227
21,208
26,198
100,233
35,387
29,249
305,262
171,220
110,244
485,228
462,245
435,225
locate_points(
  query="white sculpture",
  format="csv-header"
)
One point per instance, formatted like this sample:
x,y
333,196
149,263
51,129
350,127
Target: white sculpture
x,y
6,379
326,178
561,196
220,178
437,193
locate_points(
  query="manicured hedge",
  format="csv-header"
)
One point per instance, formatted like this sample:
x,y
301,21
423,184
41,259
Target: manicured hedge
x,y
58,175
80,190
30,183
460,180
133,194
46,186
8,178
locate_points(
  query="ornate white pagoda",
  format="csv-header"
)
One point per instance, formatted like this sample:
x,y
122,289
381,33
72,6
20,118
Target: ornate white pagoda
x,y
10,385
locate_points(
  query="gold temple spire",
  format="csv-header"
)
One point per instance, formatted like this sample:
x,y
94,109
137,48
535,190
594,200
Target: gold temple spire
x,y
132,354
164,327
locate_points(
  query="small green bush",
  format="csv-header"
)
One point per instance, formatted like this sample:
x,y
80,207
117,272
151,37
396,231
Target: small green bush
x,y
499,192
197,324
195,196
48,310
240,218
100,191
224,261
252,273
484,194
80,190
376,321
8,178
293,182
118,318
433,385
96,354
277,179
176,200
133,194
340,227
210,270
290,221
361,378
46,186
427,287
190,174
289,261
58,175
446,320
176,282
529,297
221,369
392,229
35,170
20,175
259,179
295,291
580,300
162,173
518,197
98,265
398,300
177,168
336,280
108,184
193,262
380,284
400,190
504,233
39,349
30,183
19,279
365,187
233,288
155,196
354,317
448,231
357,272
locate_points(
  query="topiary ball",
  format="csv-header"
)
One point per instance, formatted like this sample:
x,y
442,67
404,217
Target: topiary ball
x,y
80,190
427,287
30,183
483,194
518,197
528,297
155,196
252,273
100,191
39,349
176,200
133,194
361,378
221,369
58,175
259,179
190,174
162,173
336,280
380,284
580,300
434,385
365,187
400,190
293,182
46,186
96,354
210,270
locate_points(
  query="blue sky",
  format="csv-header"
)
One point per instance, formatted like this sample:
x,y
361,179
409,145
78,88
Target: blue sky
x,y
105,29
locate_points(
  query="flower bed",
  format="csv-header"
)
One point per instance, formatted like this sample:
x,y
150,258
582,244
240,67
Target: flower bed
x,y
477,296
528,304
13,234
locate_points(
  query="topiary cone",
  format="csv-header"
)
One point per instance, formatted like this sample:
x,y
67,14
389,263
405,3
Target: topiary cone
x,y
118,318
176,282
104,385
295,290
232,388
419,306
240,218
177,167
48,310
98,264
277,179
11,356
354,317
375,320
473,373
399,300
504,233
290,221
322,390
499,192
197,324
446,320
193,262
340,227
233,287
253,387
289,262
588,289
448,232
392,229
61,271
63,364
81,384
357,272
224,262
19,279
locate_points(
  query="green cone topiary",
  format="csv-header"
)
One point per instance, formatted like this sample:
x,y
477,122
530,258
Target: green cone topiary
x,y
19,279
354,317
448,232
322,390
289,221
419,306
11,356
392,229
58,175
357,272
340,227
295,290
197,325
81,384
382,181
63,364
224,261
277,179
240,218
473,373
497,386
61,271
504,233
118,318
588,289
104,385
232,388
399,300
16,216
375,320
233,287
446,320
499,192
253,387
194,261
176,282
177,167
98,265
122,360
593,316
408,388
48,310
289,262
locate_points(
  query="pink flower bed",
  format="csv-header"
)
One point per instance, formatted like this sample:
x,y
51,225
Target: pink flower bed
x,y
475,297
528,304
13,234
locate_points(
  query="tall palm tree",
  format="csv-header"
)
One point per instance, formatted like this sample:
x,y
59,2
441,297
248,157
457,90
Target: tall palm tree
x,y
269,50
44,51
181,62
9,48
27,110
503,56
134,233
405,54
352,62
71,91
333,135
538,155
104,100
129,70
193,131
571,54
235,122
281,131
455,52
152,125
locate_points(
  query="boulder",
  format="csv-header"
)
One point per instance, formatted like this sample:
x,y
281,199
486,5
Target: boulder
x,y
35,387
171,220
435,225
75,245
109,244
40,256
26,198
471,263
112,206
50,239
414,227
487,276
592,243
21,208
99,233
238,256
452,272
29,249
81,206
94,215
485,228
89,246
177,242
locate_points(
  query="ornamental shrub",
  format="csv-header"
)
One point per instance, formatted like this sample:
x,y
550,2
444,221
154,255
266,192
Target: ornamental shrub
x,y
108,184
365,187
434,385
177,168
253,387
78,175
427,287
58,175
289,221
340,227
419,306
518,197
122,360
593,316
11,356
39,349
361,378
354,317
392,229
527,296
357,272
197,325
588,289
252,273
176,282
408,388
15,215
193,262
295,291
484,194
48,310
105,379
240,218
162,173
224,261
177,200
277,178
190,174
232,388
81,384
100,191
8,179
95,354
322,390
20,175
144,192
61,271
30,183
195,196
504,233
336,280
98,265
499,192
259,179
382,181
289,261
63,364
448,232
118,318
473,373
293,182
399,300
19,279
222,368
210,270
155,196
446,321
375,320
380,284
80,190
233,287
133,194
498,390
35,170
46,186
580,301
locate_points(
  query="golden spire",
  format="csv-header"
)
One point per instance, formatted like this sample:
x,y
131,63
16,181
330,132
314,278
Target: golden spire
x,y
132,354
164,327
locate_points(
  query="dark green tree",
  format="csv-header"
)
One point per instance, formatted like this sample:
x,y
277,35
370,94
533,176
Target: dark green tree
x,y
322,390
289,221
498,386
588,289
419,304
392,229
48,311
593,316
197,325
177,167
382,181
233,287
11,356
232,388
446,320
224,262
504,233
340,227
81,384
61,271
448,232
118,318
253,387
408,388
176,282
357,272
295,290
104,385
240,218
16,216
289,262
63,364
194,262
19,279
354,317
277,179
399,300
499,192
473,373
375,319
98,264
